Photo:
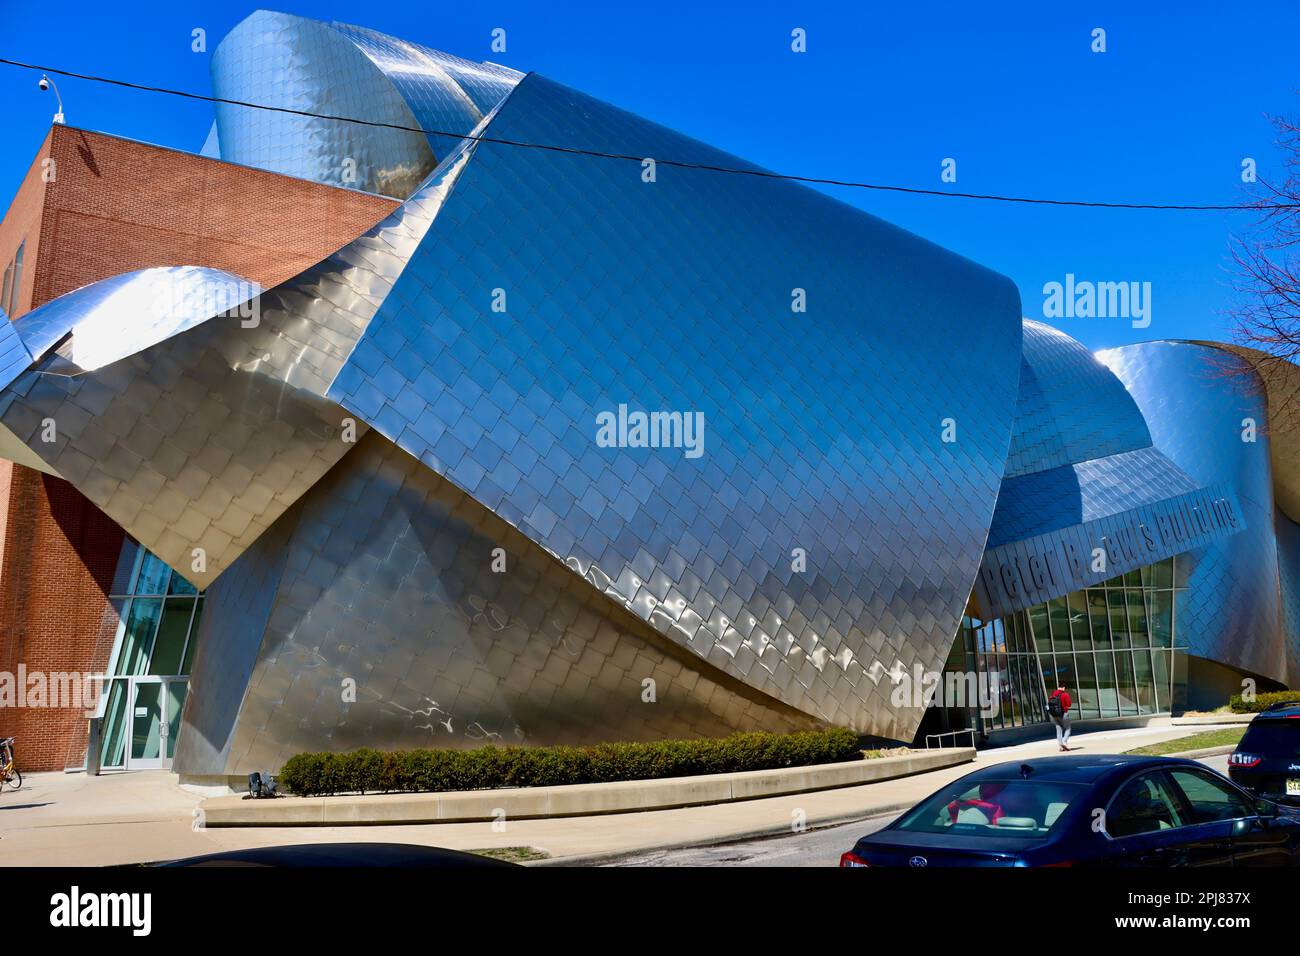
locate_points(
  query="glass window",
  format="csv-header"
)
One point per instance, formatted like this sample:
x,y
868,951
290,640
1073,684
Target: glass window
x,y
1107,700
1160,617
1160,669
1144,678
997,808
4,292
1118,617
153,577
1085,694
137,638
1124,689
1038,622
193,642
1138,631
1058,613
1099,617
180,586
1079,621
169,647
1164,574
1143,805
1211,799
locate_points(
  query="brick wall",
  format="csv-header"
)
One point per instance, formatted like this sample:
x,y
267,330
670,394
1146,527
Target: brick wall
x,y
114,205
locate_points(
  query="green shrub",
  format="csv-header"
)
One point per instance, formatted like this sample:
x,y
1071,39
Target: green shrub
x,y
410,771
1261,701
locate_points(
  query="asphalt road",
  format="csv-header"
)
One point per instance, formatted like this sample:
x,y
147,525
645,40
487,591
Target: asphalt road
x,y
812,848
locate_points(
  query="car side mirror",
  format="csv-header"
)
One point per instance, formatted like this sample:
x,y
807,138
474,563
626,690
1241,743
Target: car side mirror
x,y
1266,809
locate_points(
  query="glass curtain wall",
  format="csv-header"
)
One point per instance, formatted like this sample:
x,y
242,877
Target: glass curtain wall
x,y
1111,645
145,692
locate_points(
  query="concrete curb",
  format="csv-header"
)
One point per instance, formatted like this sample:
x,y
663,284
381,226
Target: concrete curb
x,y
1201,720
1204,752
613,856
527,803
822,823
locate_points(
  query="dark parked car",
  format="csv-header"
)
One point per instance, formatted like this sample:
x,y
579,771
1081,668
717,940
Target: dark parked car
x,y
1099,810
343,854
1267,761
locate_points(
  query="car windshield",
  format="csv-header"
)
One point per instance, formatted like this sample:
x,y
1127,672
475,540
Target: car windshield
x,y
1021,808
1271,736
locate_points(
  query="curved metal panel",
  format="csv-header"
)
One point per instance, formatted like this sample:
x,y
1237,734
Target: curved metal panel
x,y
1281,378
277,59
823,430
197,443
112,318
341,70
382,575
443,91
1070,407
1230,612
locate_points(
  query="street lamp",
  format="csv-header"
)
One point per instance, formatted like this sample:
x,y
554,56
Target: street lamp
x,y
45,84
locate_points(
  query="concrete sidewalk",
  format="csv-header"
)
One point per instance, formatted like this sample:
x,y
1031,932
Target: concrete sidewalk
x,y
72,820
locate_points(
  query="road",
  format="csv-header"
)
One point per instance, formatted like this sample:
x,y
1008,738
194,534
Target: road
x,y
813,848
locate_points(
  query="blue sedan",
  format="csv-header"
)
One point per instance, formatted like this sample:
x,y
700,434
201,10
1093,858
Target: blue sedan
x,y
1099,810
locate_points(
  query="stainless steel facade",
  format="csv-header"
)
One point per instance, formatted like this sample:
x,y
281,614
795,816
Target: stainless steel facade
x,y
1085,496
1199,405
427,517
285,61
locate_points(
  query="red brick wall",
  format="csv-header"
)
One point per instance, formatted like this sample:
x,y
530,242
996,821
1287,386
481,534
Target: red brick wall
x,y
23,222
118,205
60,553
115,205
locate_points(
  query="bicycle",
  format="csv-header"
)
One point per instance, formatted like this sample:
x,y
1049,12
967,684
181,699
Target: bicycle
x,y
9,774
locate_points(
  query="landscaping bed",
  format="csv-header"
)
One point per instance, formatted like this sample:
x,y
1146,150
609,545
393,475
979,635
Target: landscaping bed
x,y
432,771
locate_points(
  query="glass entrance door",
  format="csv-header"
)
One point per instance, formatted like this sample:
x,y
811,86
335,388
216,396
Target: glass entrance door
x,y
156,704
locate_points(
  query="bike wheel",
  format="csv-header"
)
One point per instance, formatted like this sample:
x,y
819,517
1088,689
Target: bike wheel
x,y
15,779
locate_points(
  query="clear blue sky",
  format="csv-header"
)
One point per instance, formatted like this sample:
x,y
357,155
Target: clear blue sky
x,y
884,94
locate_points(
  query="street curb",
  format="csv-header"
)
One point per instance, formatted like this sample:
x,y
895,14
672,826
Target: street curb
x,y
579,800
1203,752
611,856
1209,720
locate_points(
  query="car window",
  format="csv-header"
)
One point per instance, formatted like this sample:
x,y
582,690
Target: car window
x,y
1018,808
1272,736
1143,805
1211,799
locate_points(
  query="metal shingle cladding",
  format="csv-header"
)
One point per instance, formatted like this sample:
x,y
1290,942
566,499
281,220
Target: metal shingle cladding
x,y
1231,612
1070,408
335,69
822,428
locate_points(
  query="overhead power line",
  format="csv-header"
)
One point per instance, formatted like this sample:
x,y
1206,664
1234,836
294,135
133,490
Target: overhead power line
x,y
680,164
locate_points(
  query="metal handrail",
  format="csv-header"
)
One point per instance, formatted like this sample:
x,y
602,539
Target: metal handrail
x,y
950,733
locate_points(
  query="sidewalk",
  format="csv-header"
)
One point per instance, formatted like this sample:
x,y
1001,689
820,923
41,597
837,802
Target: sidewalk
x,y
72,820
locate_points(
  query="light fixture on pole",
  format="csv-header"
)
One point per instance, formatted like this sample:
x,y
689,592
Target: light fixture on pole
x,y
46,84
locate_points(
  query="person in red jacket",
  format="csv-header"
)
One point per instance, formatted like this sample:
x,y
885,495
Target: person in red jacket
x,y
1058,709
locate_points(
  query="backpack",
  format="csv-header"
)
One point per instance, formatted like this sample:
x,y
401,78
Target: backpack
x,y
1054,708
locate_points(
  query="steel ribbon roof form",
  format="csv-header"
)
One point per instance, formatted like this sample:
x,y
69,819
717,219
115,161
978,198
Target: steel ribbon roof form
x,y
1231,612
1085,497
197,443
673,295
335,69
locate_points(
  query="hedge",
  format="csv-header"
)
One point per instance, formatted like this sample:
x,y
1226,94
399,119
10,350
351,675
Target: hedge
x,y
410,771
1261,701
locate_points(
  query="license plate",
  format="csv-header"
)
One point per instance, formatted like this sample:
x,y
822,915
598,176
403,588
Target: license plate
x,y
1293,787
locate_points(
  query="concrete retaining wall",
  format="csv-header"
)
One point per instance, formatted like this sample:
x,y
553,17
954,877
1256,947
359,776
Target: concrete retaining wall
x,y
521,803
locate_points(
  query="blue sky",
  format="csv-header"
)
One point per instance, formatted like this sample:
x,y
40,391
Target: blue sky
x,y
884,94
